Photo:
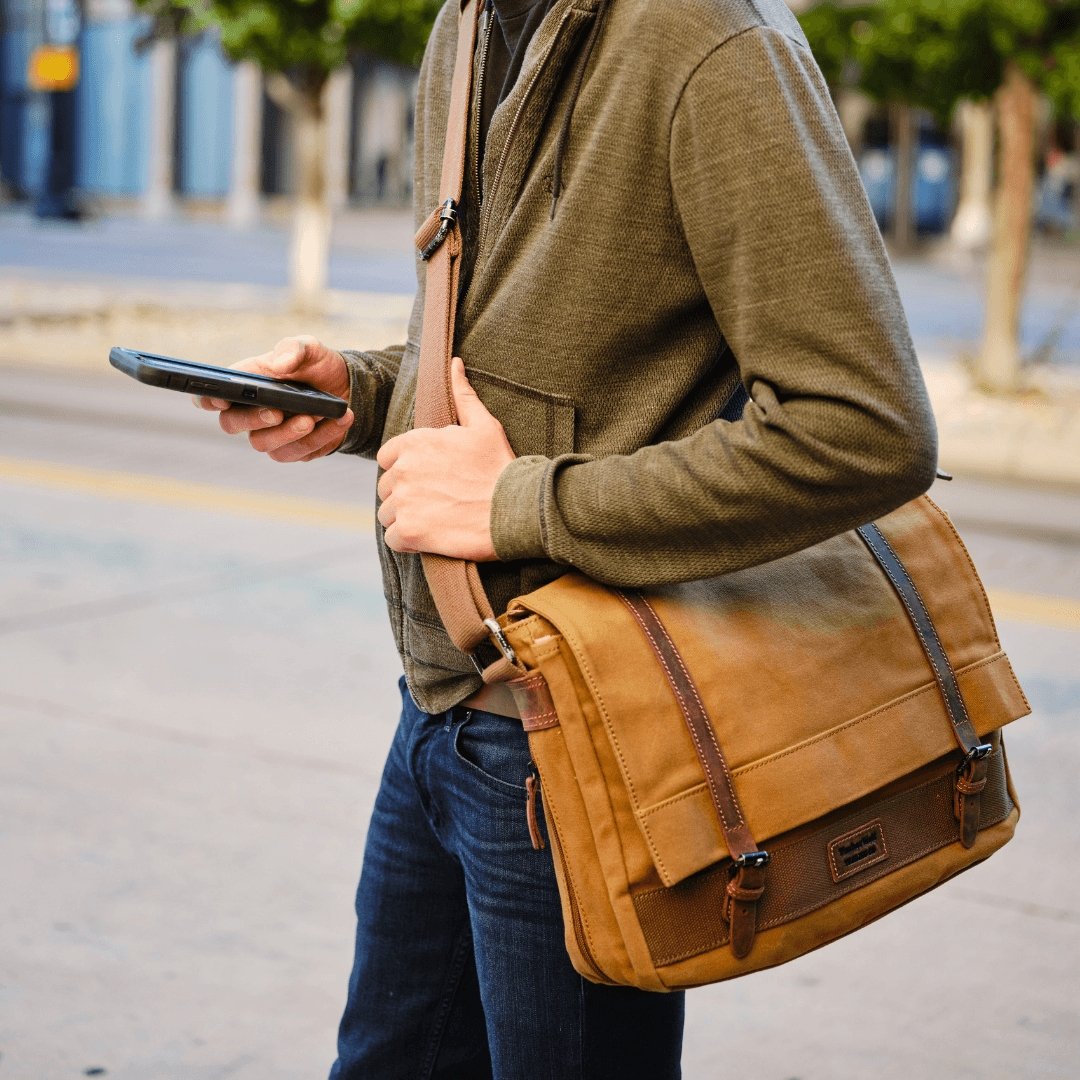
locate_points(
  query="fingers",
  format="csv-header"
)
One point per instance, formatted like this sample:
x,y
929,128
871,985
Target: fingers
x,y
283,361
300,438
241,418
390,451
386,514
470,409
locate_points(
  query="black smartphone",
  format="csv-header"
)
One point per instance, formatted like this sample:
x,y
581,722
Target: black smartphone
x,y
241,387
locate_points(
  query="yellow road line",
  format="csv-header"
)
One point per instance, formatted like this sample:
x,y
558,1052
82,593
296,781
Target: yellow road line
x,y
135,487
161,491
1054,611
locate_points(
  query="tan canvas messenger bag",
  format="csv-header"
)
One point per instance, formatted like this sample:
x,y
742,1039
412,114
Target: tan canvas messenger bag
x,y
739,770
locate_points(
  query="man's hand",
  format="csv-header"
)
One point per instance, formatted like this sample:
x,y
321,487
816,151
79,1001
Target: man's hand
x,y
293,438
437,488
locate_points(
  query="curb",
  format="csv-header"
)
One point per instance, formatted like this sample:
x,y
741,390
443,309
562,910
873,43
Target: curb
x,y
1033,437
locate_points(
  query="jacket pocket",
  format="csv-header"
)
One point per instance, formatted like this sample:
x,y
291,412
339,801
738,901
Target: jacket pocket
x,y
536,422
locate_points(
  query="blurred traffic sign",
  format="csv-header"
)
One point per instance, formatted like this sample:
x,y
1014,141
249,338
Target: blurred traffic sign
x,y
53,67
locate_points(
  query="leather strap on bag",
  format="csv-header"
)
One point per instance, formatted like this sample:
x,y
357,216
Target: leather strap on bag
x,y
746,884
972,774
455,584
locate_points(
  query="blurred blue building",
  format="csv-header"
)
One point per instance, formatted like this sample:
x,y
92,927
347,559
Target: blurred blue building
x,y
118,101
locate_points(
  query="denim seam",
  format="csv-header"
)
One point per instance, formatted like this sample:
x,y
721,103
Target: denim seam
x,y
452,986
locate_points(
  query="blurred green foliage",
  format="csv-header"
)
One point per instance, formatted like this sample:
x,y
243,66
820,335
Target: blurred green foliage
x,y
304,39
932,53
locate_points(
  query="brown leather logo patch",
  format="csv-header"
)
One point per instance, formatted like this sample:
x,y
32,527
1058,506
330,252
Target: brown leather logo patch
x,y
856,850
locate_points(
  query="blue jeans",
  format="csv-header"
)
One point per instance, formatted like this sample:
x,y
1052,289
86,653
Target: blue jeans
x,y
460,968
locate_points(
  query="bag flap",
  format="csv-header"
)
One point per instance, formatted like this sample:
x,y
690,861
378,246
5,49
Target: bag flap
x,y
813,677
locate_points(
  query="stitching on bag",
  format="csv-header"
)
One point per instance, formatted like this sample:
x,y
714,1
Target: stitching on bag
x,y
928,688
598,698
701,706
547,723
570,878
689,793
855,884
933,629
675,688
678,695
967,555
922,638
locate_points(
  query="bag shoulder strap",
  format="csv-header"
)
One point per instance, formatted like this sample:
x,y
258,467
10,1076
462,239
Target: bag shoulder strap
x,y
455,584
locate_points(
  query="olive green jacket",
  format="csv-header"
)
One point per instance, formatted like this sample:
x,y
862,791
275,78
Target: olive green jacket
x,y
711,232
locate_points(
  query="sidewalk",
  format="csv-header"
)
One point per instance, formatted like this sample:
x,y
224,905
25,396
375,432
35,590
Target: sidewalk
x,y
67,296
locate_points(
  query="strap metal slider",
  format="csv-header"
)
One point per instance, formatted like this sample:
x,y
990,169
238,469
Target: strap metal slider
x,y
504,646
753,859
448,214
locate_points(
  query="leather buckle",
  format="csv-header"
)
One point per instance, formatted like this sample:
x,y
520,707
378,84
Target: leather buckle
x,y
976,753
753,859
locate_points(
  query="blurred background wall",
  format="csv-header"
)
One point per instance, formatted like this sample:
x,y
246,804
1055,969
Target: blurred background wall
x,y
225,145
226,142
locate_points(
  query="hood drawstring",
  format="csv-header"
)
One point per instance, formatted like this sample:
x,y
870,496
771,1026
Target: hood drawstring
x,y
579,78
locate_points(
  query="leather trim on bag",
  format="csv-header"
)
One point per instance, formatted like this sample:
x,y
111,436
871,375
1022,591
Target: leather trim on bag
x,y
942,668
918,821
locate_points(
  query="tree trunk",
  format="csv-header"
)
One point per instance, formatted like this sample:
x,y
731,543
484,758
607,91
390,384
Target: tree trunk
x,y
902,122
973,224
309,255
1016,102
337,104
242,209
159,201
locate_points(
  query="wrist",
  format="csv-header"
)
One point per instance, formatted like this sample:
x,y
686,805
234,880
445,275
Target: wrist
x,y
340,383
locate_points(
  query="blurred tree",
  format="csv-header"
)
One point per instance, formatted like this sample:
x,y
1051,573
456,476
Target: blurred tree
x,y
935,53
298,43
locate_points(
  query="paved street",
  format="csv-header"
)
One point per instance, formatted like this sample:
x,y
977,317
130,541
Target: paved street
x,y
372,252
197,691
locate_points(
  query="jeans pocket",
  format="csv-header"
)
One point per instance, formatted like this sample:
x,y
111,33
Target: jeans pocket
x,y
496,751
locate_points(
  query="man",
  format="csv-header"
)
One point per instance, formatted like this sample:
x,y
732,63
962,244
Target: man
x,y
683,354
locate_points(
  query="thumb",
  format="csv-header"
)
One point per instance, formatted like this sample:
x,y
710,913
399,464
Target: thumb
x,y
470,409
285,359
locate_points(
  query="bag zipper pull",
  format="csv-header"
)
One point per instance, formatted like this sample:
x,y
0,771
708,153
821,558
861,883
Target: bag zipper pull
x,y
531,786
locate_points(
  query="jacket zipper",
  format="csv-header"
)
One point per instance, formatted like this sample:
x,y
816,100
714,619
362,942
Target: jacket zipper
x,y
480,104
575,914
484,217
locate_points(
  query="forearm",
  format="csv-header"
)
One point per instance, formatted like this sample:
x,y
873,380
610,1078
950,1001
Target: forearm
x,y
730,496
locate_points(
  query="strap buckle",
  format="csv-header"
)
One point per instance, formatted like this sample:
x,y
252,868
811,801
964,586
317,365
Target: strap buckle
x,y
448,215
504,645
976,753
753,859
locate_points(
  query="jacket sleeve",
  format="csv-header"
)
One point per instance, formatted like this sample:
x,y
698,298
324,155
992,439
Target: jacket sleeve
x,y
838,430
372,375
